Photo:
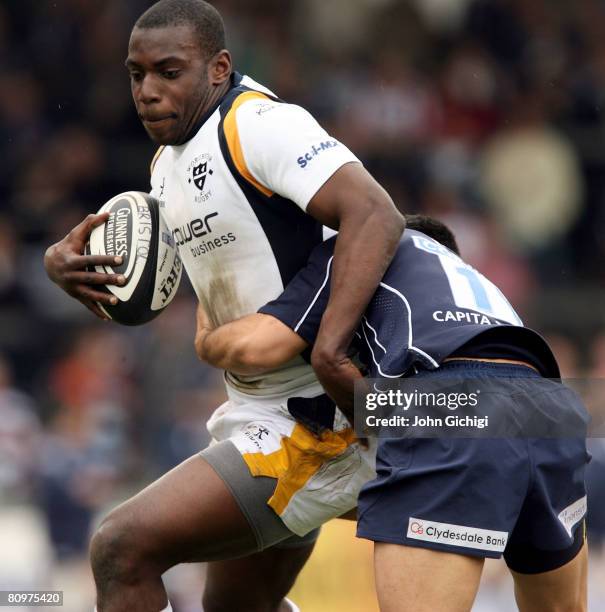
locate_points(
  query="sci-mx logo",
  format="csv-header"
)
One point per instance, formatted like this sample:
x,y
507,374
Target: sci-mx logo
x,y
304,160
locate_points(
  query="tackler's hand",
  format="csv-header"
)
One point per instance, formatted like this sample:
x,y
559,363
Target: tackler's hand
x,y
337,374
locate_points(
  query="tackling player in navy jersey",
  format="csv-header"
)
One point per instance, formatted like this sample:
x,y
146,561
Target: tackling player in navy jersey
x,y
433,315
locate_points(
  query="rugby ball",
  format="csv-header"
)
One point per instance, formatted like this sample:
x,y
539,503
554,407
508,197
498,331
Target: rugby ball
x,y
137,232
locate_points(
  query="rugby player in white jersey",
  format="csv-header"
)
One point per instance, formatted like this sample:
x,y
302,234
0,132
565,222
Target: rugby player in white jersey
x,y
246,183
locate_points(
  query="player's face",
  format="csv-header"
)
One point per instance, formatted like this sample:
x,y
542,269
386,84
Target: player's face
x,y
169,81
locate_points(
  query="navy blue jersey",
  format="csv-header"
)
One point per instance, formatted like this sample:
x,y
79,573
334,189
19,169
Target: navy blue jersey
x,y
429,304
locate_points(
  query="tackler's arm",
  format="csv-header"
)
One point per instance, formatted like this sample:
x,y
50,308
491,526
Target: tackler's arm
x,y
251,345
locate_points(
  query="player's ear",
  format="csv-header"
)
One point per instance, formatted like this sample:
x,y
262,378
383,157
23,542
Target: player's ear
x,y
220,67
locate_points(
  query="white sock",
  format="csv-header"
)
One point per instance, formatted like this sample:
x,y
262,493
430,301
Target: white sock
x,y
292,605
168,608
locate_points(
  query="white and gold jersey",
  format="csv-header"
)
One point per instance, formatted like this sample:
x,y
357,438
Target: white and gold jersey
x,y
235,197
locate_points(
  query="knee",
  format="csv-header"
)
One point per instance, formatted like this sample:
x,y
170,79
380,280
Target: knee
x,y
115,553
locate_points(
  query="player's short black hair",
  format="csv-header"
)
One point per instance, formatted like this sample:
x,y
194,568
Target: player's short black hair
x,y
433,229
202,16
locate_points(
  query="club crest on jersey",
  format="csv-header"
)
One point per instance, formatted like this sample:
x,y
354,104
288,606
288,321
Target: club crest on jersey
x,y
199,173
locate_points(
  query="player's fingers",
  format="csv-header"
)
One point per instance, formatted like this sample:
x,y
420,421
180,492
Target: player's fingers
x,y
94,278
84,293
98,219
92,306
83,229
81,262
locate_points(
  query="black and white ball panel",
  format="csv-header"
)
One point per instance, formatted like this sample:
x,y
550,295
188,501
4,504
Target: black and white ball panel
x,y
137,232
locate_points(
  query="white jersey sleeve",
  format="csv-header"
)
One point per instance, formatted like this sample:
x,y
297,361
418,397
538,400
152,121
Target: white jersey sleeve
x,y
286,150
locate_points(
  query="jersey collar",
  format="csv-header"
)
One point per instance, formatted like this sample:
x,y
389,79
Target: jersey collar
x,y
236,79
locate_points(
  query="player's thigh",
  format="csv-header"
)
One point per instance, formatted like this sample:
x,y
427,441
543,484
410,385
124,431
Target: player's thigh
x,y
189,514
561,590
259,581
410,579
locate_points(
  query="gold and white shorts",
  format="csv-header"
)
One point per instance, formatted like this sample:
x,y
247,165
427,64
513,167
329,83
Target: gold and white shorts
x,y
314,477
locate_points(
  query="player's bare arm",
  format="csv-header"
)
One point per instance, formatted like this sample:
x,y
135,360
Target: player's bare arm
x,y
68,267
251,345
369,230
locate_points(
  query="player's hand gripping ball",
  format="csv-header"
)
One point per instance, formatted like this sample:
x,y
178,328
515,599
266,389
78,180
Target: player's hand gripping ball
x,y
137,232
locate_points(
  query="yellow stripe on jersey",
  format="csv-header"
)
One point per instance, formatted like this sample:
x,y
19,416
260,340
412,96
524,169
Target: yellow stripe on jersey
x,y
300,457
233,142
155,159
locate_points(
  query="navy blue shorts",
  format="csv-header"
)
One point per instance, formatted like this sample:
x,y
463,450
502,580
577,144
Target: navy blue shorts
x,y
523,498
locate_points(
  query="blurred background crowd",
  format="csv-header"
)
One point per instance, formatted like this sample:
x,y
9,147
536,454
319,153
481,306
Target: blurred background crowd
x,y
489,114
